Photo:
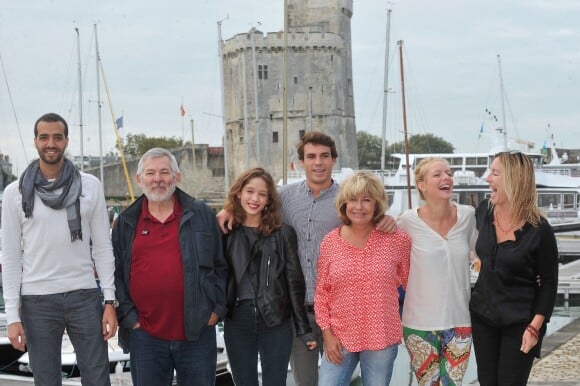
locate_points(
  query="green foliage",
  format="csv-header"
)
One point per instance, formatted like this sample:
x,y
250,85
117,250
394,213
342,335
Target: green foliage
x,y
138,144
423,143
369,150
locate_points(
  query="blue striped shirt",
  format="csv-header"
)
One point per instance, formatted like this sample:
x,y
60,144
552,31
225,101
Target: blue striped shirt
x,y
312,218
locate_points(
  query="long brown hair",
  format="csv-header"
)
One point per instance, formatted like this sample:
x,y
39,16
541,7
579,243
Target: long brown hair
x,y
271,218
519,181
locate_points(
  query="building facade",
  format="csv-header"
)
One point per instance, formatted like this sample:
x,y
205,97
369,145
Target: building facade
x,y
319,88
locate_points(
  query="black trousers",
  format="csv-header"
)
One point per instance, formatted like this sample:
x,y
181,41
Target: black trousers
x,y
497,354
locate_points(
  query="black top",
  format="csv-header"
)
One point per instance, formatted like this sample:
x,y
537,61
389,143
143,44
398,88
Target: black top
x,y
506,291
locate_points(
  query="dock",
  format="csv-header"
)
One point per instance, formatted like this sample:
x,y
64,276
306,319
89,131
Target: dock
x,y
559,365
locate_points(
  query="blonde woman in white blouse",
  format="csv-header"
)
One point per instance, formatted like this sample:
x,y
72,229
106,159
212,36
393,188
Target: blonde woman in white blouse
x,y
436,321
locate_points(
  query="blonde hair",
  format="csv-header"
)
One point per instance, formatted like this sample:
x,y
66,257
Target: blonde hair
x,y
421,171
519,181
362,183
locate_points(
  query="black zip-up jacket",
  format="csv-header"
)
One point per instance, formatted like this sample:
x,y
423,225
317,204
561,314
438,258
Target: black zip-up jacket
x,y
281,289
204,265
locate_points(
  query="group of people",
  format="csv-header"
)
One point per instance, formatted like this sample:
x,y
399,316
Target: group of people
x,y
302,273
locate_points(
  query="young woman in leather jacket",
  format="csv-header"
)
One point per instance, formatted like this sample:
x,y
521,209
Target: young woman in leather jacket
x,y
265,289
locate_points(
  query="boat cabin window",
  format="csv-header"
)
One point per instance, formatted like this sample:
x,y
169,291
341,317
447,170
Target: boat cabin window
x,y
557,201
457,161
390,197
549,201
469,198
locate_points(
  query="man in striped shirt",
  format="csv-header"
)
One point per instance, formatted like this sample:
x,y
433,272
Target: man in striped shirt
x,y
309,207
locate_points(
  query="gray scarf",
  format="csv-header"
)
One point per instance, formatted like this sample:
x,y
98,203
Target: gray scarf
x,y
70,183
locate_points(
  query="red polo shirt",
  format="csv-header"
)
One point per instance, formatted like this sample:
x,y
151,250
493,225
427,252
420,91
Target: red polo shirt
x,y
156,284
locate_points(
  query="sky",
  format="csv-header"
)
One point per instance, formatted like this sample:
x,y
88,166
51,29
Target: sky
x,y
157,55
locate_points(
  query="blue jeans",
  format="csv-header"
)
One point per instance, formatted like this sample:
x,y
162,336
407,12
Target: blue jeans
x,y
376,367
153,360
45,317
246,334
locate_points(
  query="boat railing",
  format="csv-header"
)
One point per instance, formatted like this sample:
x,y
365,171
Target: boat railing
x,y
567,287
558,171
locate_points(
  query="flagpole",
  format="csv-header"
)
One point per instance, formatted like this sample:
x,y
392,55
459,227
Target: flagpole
x,y
80,101
224,120
101,167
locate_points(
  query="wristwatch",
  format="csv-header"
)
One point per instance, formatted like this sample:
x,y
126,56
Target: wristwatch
x,y
114,303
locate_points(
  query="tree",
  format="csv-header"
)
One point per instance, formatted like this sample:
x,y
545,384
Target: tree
x,y
138,144
369,150
423,143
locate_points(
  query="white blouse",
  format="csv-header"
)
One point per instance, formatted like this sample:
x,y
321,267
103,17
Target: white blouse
x,y
439,288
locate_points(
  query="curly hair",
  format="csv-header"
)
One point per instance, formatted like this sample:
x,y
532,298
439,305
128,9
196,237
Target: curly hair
x,y
271,217
363,183
316,138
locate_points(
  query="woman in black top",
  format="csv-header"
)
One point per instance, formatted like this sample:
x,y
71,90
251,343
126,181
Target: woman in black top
x,y
509,306
265,290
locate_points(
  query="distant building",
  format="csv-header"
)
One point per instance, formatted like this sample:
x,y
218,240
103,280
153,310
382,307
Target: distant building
x,y
6,175
320,89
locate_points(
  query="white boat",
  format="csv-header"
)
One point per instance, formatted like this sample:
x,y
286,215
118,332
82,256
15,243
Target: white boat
x,y
14,361
118,360
558,194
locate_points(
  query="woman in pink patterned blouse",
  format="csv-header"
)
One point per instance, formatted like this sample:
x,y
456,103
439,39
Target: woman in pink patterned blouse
x,y
356,300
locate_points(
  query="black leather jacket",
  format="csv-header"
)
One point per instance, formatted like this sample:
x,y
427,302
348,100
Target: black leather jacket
x,y
281,288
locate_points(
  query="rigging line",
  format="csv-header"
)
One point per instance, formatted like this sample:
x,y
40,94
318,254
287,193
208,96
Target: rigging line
x,y
117,134
13,108
413,95
67,83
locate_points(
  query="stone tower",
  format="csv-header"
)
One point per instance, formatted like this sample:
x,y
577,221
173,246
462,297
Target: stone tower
x,y
320,89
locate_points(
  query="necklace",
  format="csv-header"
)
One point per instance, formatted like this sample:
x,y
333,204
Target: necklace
x,y
505,231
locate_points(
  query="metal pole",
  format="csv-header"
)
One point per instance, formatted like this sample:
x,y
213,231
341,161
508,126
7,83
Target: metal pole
x,y
400,42
385,91
502,102
310,106
285,99
245,98
256,110
193,147
80,100
101,167
224,120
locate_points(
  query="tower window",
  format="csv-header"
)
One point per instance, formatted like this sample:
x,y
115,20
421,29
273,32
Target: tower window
x,y
262,71
274,137
295,80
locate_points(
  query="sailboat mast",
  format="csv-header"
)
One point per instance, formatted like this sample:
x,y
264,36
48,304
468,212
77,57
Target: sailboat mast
x,y
285,98
224,121
407,166
80,100
99,107
502,94
385,90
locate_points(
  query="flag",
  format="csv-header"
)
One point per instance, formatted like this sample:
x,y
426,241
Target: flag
x,y
480,131
119,122
182,110
544,150
293,160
